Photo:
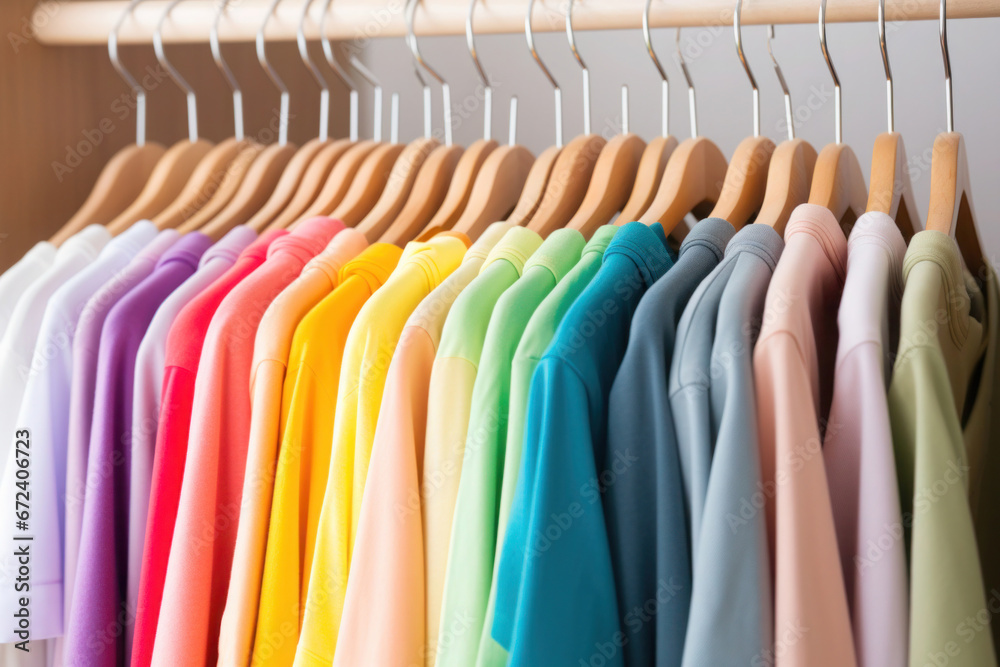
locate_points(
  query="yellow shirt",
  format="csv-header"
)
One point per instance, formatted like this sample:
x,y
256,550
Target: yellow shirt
x,y
308,401
367,354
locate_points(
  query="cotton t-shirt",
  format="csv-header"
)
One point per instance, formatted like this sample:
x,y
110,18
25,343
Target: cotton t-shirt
x,y
793,378
386,583
19,277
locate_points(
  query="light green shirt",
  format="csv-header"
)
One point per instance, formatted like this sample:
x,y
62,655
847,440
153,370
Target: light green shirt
x,y
943,339
538,333
473,534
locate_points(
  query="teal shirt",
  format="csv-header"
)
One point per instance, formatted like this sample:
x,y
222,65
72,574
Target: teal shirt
x,y
556,602
474,527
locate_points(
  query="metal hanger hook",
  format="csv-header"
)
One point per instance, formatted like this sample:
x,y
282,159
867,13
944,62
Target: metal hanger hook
x,y
664,82
324,87
411,11
838,107
738,30
890,111
273,75
331,60
529,36
692,102
948,96
161,57
470,40
227,73
789,118
137,89
571,37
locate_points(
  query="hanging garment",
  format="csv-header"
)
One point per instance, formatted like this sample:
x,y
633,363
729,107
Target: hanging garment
x,y
181,360
19,277
44,412
208,509
864,489
538,333
386,583
715,415
554,607
99,603
943,341
367,354
650,548
449,404
309,400
793,376
270,357
473,534
149,369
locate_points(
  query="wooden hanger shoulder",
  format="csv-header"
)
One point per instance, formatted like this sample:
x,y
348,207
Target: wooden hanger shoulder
x,y
839,185
461,186
165,183
691,183
397,189
647,179
117,186
312,182
497,190
746,182
260,181
534,186
339,181
891,190
367,184
610,184
204,183
950,209
428,193
789,176
228,187
283,192
567,184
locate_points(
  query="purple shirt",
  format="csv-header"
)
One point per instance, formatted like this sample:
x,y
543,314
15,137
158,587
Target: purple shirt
x,y
98,602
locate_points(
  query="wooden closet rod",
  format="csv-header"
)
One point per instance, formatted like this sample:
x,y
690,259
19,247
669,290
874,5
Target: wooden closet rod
x,y
59,22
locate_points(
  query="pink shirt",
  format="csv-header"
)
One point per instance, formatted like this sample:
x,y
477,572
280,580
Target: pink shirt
x,y
201,552
858,452
793,377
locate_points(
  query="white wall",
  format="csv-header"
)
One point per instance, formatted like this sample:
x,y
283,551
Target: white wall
x,y
724,98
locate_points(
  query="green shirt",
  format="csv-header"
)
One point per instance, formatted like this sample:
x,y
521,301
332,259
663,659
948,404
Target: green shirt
x,y
538,333
944,338
474,526
450,402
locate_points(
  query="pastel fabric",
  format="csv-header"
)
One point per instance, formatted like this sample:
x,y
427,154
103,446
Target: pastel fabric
x,y
793,378
473,535
539,332
449,406
270,358
714,408
211,491
149,370
858,454
558,608
649,545
942,385
367,354
102,571
386,583
183,353
19,277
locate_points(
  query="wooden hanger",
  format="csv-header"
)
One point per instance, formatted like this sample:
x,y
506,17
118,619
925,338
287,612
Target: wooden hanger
x,y
205,181
339,181
429,192
692,183
567,184
647,178
950,210
287,185
498,189
117,186
166,182
534,186
397,189
789,175
461,186
367,185
228,187
610,185
745,186
313,180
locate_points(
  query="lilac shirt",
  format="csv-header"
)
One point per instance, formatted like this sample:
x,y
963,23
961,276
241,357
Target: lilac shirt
x,y
149,366
102,565
858,453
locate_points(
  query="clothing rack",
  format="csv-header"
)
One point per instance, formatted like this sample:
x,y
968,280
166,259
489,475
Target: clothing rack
x,y
75,23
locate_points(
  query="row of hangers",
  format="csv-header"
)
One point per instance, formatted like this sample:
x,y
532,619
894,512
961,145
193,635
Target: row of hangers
x,y
397,192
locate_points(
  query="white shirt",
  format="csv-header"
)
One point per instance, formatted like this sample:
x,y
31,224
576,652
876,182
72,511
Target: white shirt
x,y
17,278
